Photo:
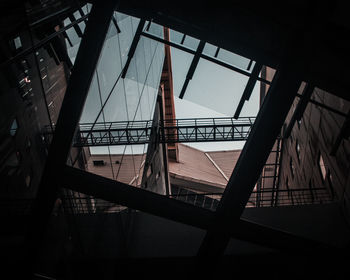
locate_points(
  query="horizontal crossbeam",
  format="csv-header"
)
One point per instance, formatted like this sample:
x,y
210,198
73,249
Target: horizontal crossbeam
x,y
156,204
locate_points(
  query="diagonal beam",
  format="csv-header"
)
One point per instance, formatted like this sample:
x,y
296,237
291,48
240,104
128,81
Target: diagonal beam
x,y
176,210
252,159
192,68
76,26
248,88
76,93
135,198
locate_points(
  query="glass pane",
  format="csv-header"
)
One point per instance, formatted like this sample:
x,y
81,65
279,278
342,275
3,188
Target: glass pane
x,y
156,30
176,36
251,106
209,49
216,88
191,42
120,16
92,104
233,59
73,36
125,38
109,65
115,109
181,62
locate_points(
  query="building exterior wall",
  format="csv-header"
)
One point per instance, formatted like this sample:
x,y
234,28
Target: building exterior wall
x,y
307,162
25,94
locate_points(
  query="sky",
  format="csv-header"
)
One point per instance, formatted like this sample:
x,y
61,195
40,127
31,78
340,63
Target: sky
x,y
214,91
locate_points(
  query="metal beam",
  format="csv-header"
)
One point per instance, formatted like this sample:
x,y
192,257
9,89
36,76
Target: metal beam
x,y
179,211
133,46
252,159
76,93
204,56
248,88
135,198
299,110
76,26
192,68
324,106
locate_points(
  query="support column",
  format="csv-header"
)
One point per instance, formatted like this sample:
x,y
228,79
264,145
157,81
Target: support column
x,y
252,159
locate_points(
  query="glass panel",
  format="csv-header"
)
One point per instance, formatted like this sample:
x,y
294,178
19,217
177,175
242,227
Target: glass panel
x,y
13,128
132,91
191,42
233,59
209,49
133,98
87,8
125,37
135,23
92,105
120,16
82,26
77,15
216,88
156,30
109,65
251,106
176,36
115,109
181,62
73,36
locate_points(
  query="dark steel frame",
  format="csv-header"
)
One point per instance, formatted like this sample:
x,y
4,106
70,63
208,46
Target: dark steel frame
x,y
76,93
222,224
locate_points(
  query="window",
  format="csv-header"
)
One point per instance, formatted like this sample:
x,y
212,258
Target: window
x,y
17,42
291,165
299,122
98,162
14,127
28,180
297,149
322,167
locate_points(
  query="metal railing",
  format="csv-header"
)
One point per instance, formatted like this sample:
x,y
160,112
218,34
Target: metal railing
x,y
266,197
88,205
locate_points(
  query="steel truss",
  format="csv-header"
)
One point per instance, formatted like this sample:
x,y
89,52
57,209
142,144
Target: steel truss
x,y
180,130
